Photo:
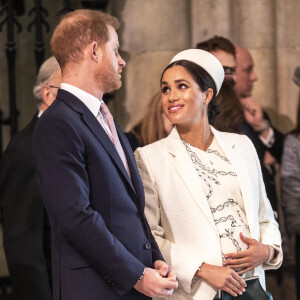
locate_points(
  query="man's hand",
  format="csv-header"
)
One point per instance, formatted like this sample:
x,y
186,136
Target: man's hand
x,y
154,285
254,114
222,278
247,260
164,270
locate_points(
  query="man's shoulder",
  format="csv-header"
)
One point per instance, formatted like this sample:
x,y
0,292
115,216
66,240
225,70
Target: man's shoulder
x,y
22,140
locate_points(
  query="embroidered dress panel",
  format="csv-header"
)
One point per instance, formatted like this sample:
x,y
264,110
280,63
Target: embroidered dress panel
x,y
223,194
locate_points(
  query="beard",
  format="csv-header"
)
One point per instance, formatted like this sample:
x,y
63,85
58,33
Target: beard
x,y
108,78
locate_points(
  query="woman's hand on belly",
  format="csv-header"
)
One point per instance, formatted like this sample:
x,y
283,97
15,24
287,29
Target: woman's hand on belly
x,y
244,261
222,278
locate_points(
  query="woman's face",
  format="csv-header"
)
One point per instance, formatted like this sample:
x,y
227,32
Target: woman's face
x,y
182,98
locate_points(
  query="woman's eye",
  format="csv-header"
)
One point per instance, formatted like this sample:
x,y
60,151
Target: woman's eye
x,y
182,86
164,89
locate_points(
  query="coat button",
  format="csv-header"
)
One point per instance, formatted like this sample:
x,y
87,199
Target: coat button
x,y
148,246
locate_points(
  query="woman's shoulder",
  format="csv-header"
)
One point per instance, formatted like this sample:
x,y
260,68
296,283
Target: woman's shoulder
x,y
292,140
154,147
232,136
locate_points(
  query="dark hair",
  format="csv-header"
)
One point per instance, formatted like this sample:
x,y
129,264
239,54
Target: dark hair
x,y
231,110
217,43
204,80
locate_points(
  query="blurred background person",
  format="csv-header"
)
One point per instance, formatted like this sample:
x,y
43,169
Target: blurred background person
x,y
26,228
267,140
290,185
153,126
225,52
231,115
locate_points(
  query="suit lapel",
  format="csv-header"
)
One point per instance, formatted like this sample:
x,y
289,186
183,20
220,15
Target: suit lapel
x,y
134,173
93,124
232,149
188,174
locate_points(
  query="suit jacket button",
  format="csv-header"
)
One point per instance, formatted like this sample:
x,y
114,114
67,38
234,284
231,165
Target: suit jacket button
x,y
148,246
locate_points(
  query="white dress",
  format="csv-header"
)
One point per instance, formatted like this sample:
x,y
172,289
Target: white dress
x,y
223,193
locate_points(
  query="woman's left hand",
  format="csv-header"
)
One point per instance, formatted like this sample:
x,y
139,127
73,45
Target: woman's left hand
x,y
246,260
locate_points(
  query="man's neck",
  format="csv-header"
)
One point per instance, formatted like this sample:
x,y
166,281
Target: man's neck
x,y
82,78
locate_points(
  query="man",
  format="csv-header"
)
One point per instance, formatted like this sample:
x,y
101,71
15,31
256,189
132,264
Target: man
x,y
256,125
245,74
26,229
258,120
267,140
102,244
225,52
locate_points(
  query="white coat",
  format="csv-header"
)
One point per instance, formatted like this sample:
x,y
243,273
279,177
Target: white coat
x,y
179,214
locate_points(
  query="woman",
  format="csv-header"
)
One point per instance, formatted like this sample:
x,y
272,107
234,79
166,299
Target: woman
x,y
205,198
290,185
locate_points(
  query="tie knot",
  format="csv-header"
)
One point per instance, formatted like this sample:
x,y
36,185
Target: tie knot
x,y
104,108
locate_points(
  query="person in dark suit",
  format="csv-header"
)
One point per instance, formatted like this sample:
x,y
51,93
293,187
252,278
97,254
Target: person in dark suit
x,y
26,228
102,244
267,140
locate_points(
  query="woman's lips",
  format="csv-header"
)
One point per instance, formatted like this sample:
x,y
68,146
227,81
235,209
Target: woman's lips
x,y
174,108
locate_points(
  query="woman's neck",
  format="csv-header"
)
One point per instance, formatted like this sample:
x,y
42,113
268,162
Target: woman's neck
x,y
199,136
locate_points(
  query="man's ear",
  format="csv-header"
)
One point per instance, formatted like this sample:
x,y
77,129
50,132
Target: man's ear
x,y
95,52
46,94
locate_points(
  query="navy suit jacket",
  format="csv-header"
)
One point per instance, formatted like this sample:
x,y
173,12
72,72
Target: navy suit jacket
x,y
100,237
275,150
26,229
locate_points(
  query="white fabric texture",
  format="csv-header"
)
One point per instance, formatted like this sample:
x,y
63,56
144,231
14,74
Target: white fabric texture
x,y
179,214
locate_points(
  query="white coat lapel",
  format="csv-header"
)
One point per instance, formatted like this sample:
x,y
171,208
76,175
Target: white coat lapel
x,y
187,172
232,149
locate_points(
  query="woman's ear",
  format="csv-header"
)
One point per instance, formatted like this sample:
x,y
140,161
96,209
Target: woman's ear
x,y
208,95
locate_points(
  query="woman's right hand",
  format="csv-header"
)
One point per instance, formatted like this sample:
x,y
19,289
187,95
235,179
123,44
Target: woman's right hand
x,y
222,278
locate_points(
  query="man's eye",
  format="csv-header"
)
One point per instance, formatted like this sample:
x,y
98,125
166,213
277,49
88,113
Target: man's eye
x,y
116,51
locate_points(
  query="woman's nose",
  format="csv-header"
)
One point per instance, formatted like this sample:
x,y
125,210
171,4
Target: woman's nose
x,y
173,96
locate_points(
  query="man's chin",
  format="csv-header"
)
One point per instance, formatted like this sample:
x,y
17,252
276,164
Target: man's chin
x,y
113,87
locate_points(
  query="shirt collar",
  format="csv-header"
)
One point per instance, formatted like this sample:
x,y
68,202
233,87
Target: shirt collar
x,y
40,113
92,103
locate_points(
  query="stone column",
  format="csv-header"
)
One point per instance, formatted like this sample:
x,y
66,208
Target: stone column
x,y
288,57
210,18
151,33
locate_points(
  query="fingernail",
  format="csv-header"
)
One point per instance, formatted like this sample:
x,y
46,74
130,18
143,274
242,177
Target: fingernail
x,y
244,290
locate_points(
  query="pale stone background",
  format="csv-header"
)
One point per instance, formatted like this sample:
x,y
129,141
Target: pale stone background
x,y
152,31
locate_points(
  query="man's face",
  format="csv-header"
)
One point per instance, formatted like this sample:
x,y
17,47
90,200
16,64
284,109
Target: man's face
x,y
109,73
228,62
49,90
245,75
